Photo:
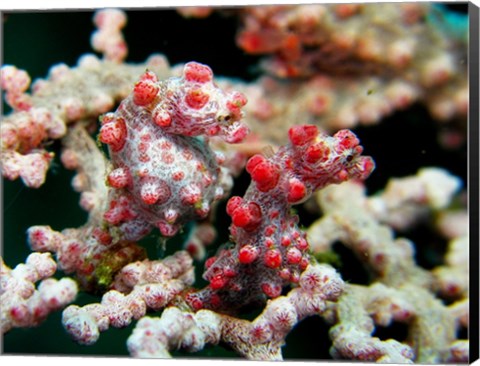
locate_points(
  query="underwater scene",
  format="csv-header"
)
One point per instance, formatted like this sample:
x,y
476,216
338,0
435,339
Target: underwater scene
x,y
263,182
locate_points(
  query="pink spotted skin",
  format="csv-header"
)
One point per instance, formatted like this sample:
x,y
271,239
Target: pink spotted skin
x,y
270,249
164,172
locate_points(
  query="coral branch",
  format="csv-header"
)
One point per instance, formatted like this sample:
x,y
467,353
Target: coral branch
x,y
345,65
361,308
161,176
22,304
453,277
93,255
402,291
65,96
69,94
141,286
404,201
347,219
260,339
108,39
153,338
351,337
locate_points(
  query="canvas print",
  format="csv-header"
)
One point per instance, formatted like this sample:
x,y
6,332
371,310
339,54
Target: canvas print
x,y
263,182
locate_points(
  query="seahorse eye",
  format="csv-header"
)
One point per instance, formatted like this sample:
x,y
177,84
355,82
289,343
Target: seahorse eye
x,y
223,118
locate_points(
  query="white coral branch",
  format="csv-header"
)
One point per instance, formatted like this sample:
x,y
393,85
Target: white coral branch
x,y
260,339
22,304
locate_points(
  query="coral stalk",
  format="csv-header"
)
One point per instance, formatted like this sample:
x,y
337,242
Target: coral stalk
x,y
22,304
141,286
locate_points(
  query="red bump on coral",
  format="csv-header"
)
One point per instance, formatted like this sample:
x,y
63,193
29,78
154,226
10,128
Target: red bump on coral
x,y
119,178
301,135
265,175
247,254
271,290
196,99
144,92
317,152
247,216
195,72
273,258
296,191
114,133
